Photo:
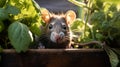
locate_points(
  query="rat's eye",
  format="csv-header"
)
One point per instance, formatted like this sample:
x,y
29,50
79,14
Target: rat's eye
x,y
50,26
64,27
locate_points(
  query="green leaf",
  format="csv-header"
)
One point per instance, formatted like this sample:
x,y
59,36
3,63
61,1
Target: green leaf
x,y
1,26
3,14
112,56
99,4
112,1
20,36
117,50
97,16
99,36
36,5
78,29
77,24
35,28
2,3
12,9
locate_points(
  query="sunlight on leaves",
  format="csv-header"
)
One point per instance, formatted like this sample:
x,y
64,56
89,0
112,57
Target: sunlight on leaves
x,y
78,31
35,28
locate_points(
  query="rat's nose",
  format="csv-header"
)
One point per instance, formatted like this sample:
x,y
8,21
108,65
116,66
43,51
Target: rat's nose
x,y
61,34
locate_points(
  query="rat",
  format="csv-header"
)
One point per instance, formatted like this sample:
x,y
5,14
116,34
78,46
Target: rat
x,y
57,33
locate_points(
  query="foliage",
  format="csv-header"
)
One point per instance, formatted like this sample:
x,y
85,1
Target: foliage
x,y
102,17
19,20
114,60
2,3
78,30
21,42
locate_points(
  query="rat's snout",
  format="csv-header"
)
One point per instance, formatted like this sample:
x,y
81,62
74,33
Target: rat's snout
x,y
57,37
61,34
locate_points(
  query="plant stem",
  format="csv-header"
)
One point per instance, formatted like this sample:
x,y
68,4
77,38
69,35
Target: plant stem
x,y
80,4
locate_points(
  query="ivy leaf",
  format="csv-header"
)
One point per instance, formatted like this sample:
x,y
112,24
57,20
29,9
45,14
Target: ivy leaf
x,y
3,14
12,9
20,36
112,56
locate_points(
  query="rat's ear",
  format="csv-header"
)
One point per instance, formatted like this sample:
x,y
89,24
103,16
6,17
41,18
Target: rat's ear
x,y
45,15
70,16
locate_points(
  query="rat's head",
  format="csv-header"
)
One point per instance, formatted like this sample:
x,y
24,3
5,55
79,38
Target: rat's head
x,y
57,26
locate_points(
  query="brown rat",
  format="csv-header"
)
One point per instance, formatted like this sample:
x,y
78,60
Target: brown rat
x,y
56,33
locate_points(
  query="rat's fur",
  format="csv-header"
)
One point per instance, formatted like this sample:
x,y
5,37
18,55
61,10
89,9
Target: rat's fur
x,y
56,33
